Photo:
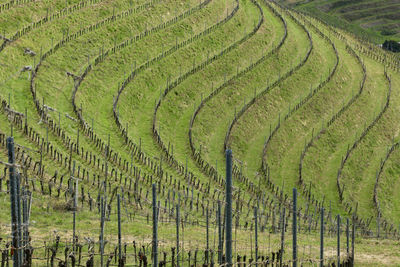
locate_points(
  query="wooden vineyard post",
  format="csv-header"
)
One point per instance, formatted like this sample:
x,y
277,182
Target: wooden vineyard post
x,y
353,236
41,160
347,236
255,236
177,234
18,195
77,142
102,213
378,221
130,171
321,251
338,240
219,233
207,236
282,237
119,231
155,224
25,220
228,208
74,214
106,165
294,227
15,224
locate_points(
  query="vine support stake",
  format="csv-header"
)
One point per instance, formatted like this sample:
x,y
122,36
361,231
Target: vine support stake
x,y
255,236
321,251
347,236
282,237
74,215
207,235
13,200
119,230
294,227
102,231
353,236
228,208
155,224
177,234
338,240
219,233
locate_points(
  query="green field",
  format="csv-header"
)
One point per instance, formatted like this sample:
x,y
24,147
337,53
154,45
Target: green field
x,y
105,98
373,20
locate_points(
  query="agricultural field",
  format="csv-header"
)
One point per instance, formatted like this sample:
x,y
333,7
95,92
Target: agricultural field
x,y
373,20
122,124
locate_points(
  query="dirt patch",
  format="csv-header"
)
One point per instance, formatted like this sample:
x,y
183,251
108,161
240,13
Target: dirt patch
x,y
376,260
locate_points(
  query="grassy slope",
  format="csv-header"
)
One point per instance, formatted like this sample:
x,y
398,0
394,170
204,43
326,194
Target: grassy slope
x,y
356,16
242,90
141,115
249,134
215,74
365,162
217,42
359,174
65,104
19,106
24,97
29,13
137,103
348,127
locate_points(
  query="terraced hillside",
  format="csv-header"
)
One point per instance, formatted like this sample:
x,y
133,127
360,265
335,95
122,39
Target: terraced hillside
x,y
374,20
121,113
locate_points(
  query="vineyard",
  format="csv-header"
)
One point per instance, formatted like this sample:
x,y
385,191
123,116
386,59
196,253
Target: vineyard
x,y
194,133
375,20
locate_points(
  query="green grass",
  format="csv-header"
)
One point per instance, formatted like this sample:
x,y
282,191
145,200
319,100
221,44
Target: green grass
x,y
239,92
365,162
357,17
254,125
180,103
350,124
